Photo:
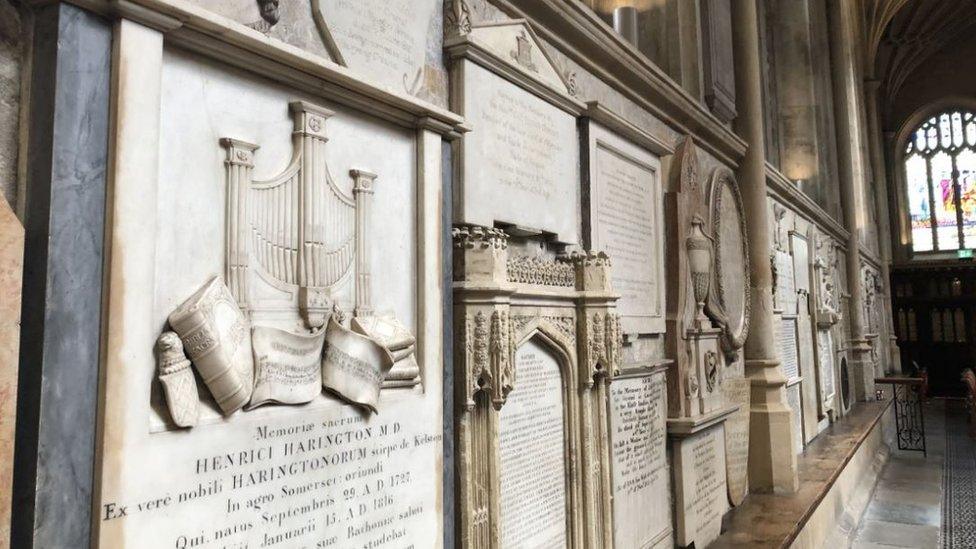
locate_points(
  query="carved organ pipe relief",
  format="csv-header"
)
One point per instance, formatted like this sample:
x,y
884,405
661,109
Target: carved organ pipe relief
x,y
295,243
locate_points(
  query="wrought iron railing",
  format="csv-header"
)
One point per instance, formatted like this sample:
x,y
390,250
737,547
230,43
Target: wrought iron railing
x,y
908,394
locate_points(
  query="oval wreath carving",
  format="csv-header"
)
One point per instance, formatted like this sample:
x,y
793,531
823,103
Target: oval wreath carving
x,y
729,305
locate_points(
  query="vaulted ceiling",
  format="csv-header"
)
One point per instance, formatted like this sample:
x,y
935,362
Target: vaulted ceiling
x,y
901,35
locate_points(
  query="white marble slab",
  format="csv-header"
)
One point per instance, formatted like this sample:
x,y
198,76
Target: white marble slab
x,y
321,474
532,454
786,344
825,361
785,283
700,486
638,431
521,159
801,262
737,391
396,43
626,214
793,400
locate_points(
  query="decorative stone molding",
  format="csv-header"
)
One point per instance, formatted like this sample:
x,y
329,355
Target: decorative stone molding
x,y
826,299
536,270
734,323
499,309
457,18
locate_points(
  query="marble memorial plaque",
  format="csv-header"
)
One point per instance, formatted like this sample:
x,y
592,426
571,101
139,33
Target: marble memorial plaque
x,y
731,260
701,498
320,474
737,391
638,433
394,42
785,283
793,400
801,262
825,359
786,343
626,209
288,366
532,454
521,162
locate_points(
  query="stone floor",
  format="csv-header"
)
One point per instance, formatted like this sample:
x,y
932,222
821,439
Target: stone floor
x,y
906,507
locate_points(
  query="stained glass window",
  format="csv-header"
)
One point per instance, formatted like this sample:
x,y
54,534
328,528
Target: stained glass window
x,y
940,180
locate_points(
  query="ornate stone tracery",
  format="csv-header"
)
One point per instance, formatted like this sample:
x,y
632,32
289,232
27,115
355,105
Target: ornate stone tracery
x,y
565,303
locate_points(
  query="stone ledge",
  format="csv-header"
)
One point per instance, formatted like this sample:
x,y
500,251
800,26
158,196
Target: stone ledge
x,y
775,520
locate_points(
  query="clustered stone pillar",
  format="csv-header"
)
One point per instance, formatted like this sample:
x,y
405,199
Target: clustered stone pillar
x,y
850,174
772,463
875,146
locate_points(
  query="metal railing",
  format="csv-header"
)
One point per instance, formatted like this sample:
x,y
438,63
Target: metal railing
x,y
908,394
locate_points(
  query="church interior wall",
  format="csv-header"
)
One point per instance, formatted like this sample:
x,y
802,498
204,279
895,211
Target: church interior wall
x,y
235,122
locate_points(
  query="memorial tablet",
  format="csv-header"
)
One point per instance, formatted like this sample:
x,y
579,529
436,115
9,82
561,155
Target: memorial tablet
x,y
532,454
785,283
638,432
626,212
786,343
737,391
291,232
825,361
701,495
793,400
521,164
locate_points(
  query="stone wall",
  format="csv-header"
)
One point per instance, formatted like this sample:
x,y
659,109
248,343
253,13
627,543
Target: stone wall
x,y
13,46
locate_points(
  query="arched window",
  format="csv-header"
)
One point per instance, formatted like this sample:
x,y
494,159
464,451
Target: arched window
x,y
940,175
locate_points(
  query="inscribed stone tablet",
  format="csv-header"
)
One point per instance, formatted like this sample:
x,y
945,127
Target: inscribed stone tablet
x,y
793,400
825,361
701,495
521,160
532,450
640,470
626,209
737,391
785,283
786,343
801,262
392,42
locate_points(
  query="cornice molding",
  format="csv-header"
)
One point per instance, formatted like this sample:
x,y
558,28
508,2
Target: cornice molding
x,y
203,32
581,35
782,189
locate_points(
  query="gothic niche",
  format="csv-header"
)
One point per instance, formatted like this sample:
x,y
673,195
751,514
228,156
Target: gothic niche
x,y
537,344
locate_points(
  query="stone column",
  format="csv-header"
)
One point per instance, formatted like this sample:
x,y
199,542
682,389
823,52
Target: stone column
x,y
61,318
363,191
851,174
772,463
882,192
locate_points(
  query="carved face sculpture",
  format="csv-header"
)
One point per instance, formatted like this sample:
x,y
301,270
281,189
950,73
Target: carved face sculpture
x,y
269,10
